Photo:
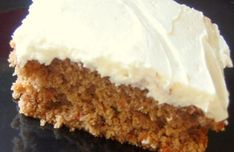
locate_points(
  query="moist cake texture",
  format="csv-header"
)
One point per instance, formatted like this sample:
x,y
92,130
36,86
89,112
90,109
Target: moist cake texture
x,y
139,74
66,93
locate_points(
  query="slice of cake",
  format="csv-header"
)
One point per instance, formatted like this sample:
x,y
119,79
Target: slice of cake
x,y
145,72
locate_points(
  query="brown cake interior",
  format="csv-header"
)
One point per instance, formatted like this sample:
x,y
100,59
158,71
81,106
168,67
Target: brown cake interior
x,y
67,93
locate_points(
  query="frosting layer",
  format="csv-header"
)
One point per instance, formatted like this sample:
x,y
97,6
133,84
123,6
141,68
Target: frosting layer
x,y
171,50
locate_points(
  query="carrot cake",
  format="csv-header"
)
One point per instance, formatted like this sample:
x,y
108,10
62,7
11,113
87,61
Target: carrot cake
x,y
144,72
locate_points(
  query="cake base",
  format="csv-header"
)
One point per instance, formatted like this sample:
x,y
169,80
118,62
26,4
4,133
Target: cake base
x,y
67,93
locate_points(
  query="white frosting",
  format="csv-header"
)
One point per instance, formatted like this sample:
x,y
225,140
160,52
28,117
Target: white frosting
x,y
170,49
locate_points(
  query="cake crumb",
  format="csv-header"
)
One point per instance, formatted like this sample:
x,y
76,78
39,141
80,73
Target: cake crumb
x,y
59,121
146,141
42,122
153,146
169,119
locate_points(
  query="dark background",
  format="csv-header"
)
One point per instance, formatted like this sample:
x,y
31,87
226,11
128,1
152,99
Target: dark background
x,y
20,134
12,4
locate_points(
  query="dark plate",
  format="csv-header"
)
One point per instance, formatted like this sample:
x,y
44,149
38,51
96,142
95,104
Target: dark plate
x,y
21,134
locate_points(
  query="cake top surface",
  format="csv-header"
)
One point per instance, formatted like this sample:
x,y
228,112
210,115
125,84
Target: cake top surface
x,y
170,49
